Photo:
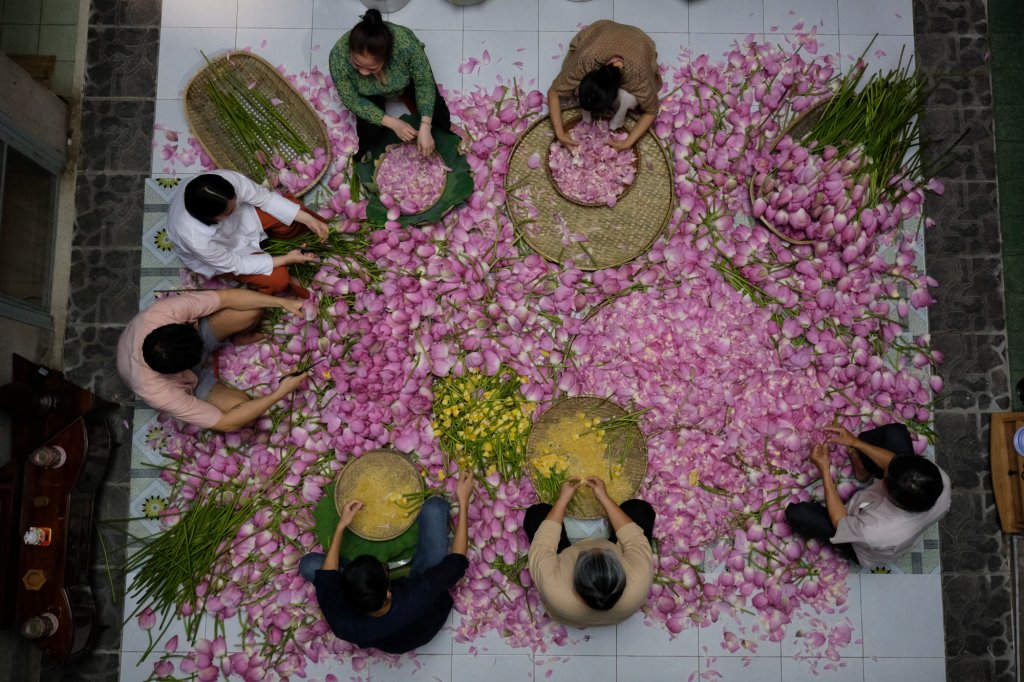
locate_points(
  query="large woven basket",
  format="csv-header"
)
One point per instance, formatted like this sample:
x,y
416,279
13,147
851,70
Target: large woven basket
x,y
611,236
567,126
627,443
222,145
397,474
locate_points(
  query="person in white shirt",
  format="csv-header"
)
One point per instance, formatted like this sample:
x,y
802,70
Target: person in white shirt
x,y
218,220
883,521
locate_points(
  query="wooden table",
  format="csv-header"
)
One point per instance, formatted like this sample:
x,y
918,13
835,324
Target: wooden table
x,y
54,579
1007,470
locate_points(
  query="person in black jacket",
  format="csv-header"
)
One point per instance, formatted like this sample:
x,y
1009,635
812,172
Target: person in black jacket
x,y
363,606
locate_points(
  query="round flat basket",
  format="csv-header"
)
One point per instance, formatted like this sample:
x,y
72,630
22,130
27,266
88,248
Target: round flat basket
x,y
378,479
593,237
567,430
551,178
376,169
222,142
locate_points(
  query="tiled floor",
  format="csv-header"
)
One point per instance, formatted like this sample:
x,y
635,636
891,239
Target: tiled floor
x,y
896,620
43,27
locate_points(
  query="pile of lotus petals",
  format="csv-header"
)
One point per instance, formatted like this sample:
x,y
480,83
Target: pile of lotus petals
x,y
594,173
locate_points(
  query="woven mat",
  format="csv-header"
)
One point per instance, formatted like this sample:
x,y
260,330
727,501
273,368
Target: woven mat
x,y
222,144
398,475
594,237
626,444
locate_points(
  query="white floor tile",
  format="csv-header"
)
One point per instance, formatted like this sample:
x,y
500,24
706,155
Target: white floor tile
x,y
510,668
715,45
444,50
842,625
338,667
561,15
170,115
904,669
656,669
422,667
180,56
551,51
287,47
504,15
134,670
670,45
826,44
575,668
508,54
587,642
275,14
726,16
661,16
637,639
323,40
736,669
883,55
743,628
868,17
337,14
200,13
785,14
490,643
802,670
136,640
442,642
432,14
902,613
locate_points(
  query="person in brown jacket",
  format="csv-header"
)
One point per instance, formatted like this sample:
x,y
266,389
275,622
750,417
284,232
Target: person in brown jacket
x,y
608,61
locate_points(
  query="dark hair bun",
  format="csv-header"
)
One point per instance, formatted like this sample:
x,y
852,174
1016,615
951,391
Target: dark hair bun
x,y
373,17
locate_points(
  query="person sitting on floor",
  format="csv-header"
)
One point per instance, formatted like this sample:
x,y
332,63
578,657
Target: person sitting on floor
x,y
163,353
364,606
218,220
592,582
608,65
377,61
883,521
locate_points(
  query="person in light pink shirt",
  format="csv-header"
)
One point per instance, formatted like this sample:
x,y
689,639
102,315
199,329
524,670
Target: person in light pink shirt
x,y
162,354
883,521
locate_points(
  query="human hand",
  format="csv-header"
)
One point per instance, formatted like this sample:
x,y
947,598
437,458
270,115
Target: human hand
x,y
296,256
819,457
568,488
293,306
348,512
569,143
620,145
425,141
597,485
315,225
405,132
464,490
840,435
292,382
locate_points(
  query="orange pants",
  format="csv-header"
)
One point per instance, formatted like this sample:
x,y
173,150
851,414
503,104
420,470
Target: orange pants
x,y
278,280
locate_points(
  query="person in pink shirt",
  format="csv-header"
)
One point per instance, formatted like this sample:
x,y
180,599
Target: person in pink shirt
x,y
884,520
163,352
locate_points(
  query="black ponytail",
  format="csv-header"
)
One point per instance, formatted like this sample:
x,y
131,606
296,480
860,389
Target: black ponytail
x,y
600,87
370,36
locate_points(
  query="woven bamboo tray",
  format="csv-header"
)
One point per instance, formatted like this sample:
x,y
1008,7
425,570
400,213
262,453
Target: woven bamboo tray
x,y
613,236
397,474
797,128
223,146
376,170
551,178
627,444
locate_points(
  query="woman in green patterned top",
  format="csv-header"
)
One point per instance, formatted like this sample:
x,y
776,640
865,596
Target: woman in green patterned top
x,y
377,60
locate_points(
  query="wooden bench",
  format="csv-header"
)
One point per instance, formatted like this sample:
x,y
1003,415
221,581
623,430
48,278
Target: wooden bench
x,y
1007,470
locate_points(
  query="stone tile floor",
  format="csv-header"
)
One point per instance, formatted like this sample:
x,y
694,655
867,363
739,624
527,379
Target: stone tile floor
x,y
122,94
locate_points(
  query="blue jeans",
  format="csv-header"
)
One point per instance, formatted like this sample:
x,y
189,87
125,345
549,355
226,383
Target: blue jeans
x,y
431,546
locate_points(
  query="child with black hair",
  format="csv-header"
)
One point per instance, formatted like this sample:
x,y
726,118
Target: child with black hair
x,y
608,64
883,521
